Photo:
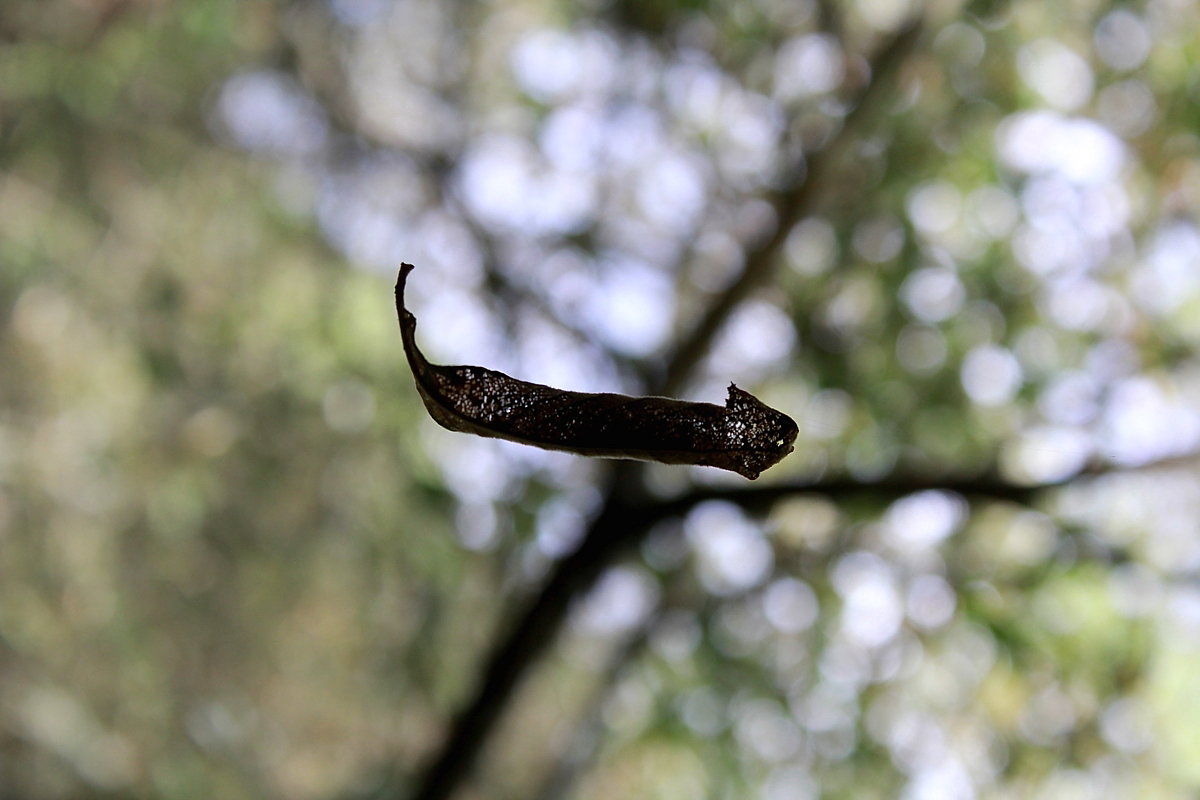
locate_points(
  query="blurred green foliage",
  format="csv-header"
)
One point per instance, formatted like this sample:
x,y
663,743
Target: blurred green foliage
x,y
217,543
236,560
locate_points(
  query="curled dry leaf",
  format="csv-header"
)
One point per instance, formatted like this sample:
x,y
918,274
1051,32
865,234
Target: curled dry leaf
x,y
745,436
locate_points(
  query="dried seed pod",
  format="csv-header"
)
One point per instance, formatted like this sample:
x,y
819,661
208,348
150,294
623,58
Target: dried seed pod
x,y
745,436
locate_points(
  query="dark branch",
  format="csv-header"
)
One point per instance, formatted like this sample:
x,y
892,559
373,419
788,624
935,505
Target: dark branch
x,y
620,523
763,498
760,498
610,533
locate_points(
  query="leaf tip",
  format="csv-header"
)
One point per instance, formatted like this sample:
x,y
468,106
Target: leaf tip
x,y
402,277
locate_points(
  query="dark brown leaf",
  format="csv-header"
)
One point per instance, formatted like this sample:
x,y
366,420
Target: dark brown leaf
x,y
745,436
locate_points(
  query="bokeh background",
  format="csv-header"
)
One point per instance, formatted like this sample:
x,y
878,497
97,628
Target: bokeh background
x,y
958,241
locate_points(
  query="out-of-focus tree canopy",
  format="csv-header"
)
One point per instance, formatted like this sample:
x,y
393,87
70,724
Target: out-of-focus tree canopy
x,y
958,242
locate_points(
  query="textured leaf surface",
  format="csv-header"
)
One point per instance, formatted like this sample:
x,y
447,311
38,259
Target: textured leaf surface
x,y
745,435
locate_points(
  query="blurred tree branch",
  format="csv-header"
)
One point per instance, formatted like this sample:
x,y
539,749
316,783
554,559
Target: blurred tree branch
x,y
229,555
790,204
580,751
753,498
620,524
626,514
